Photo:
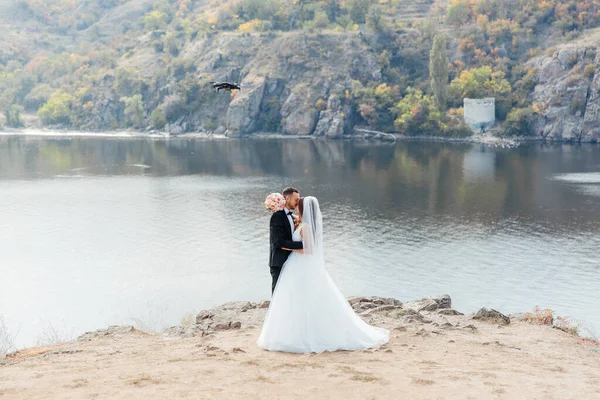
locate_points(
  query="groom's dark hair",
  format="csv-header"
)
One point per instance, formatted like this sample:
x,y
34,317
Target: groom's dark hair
x,y
289,190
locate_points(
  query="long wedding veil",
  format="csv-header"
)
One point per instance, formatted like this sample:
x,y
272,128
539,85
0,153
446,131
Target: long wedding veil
x,y
312,228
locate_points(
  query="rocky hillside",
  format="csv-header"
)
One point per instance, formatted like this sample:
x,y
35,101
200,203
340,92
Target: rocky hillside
x,y
567,94
322,68
284,80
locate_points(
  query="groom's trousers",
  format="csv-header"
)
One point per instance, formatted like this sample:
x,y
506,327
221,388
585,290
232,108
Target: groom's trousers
x,y
275,271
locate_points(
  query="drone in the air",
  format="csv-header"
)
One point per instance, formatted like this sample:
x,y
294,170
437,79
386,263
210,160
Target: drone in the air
x,y
225,86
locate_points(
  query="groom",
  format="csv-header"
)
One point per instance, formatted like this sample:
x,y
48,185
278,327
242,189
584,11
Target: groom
x,y
282,227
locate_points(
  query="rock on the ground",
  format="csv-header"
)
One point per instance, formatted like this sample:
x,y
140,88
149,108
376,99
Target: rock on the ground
x,y
202,315
387,307
491,315
430,304
449,311
362,304
110,331
428,314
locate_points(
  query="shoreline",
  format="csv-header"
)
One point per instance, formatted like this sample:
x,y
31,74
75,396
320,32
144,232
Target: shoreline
x,y
434,352
365,136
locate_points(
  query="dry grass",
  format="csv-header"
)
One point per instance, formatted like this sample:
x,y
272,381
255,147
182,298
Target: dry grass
x,y
550,51
547,317
77,383
262,378
188,321
421,381
364,378
153,320
565,324
540,317
143,379
299,365
7,338
557,369
346,368
53,335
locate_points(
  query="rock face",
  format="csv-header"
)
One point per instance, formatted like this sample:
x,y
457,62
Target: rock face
x,y
299,118
244,108
294,84
567,94
331,120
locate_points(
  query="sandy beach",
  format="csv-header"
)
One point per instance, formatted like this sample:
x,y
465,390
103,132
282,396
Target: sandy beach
x,y
432,354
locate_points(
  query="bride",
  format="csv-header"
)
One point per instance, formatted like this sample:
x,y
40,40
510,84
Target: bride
x,y
308,312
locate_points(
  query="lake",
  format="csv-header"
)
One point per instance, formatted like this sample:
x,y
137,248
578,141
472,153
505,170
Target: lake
x,y
101,231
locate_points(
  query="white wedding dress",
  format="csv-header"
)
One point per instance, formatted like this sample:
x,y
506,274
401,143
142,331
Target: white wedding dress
x,y
308,312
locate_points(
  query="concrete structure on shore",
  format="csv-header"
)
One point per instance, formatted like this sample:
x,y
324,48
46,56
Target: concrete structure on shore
x,y
480,114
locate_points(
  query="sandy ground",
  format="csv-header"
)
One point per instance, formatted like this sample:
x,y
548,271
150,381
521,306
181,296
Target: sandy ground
x,y
428,360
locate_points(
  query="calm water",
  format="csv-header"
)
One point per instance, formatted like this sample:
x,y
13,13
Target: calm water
x,y
107,231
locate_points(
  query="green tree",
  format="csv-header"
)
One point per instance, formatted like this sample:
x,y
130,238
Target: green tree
x,y
157,118
458,12
14,116
134,110
164,7
480,82
332,8
358,10
374,17
57,109
128,81
320,21
438,71
11,110
38,96
417,114
518,121
257,9
171,44
155,20
7,100
483,82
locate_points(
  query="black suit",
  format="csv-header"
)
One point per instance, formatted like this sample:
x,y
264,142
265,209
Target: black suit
x,y
281,236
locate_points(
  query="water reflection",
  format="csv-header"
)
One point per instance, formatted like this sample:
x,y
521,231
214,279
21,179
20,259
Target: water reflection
x,y
463,181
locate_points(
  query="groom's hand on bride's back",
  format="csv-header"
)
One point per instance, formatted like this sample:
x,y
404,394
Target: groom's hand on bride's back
x,y
278,227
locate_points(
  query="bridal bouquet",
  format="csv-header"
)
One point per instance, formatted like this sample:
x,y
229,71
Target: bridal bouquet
x,y
275,202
